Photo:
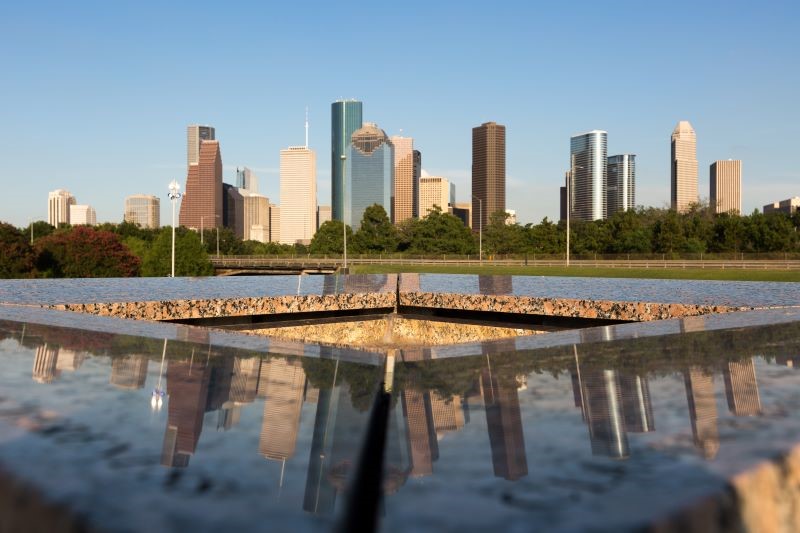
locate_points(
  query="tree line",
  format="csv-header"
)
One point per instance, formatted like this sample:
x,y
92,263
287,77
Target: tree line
x,y
125,249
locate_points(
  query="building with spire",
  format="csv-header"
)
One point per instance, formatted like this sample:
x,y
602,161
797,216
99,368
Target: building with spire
x,y
298,199
683,181
345,120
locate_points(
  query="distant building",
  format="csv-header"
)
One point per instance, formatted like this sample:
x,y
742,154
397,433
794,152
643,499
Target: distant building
x,y
201,206
233,209
488,171
274,223
345,120
58,203
403,197
562,194
256,215
369,174
788,206
323,215
144,210
684,166
621,184
511,217
82,215
246,179
725,186
195,134
462,211
298,195
433,190
589,173
415,183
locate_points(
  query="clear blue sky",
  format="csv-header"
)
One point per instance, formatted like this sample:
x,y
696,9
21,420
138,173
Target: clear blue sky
x,y
96,96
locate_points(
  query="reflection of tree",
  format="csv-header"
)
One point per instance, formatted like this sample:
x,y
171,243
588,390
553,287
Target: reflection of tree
x,y
363,379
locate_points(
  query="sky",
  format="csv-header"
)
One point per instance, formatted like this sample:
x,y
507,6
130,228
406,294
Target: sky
x,y
95,97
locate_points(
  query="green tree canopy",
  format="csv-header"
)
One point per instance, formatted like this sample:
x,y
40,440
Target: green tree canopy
x,y
376,234
190,258
440,233
329,237
499,237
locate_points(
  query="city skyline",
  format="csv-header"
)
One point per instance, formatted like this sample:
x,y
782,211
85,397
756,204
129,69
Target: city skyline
x,y
74,76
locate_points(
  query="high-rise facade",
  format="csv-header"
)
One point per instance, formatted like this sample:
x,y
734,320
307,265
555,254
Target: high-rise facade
x,y
433,190
202,203
144,210
82,215
369,173
298,195
403,197
684,166
345,120
417,155
725,184
255,217
58,203
488,171
323,214
274,223
789,206
233,209
195,134
588,175
621,184
246,179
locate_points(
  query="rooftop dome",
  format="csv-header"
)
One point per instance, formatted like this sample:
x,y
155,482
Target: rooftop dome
x,y
369,138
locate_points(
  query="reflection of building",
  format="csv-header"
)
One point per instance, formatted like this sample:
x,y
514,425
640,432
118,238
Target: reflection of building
x,y
741,388
788,360
636,405
365,283
418,413
187,387
448,414
504,423
602,410
44,364
129,372
243,388
409,283
281,384
495,285
702,410
69,360
320,493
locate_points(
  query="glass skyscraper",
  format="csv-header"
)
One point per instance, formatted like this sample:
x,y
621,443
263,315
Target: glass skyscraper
x,y
589,175
621,190
345,120
370,173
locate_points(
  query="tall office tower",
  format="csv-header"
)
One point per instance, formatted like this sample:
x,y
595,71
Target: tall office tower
x,y
187,387
345,120
298,195
589,175
274,223
58,203
202,203
602,409
233,209
129,372
323,215
369,174
82,215
403,190
788,206
45,364
488,172
144,210
246,179
741,388
415,183
281,383
684,166
195,134
504,423
433,190
463,212
725,183
702,410
621,189
255,217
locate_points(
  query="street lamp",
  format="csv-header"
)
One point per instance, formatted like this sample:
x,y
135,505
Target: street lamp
x,y
174,194
572,169
344,219
480,228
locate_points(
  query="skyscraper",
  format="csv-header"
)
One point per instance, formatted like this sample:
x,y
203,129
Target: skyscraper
x,y
433,190
233,209
415,182
403,197
684,166
370,172
345,120
725,183
82,215
488,172
195,134
589,175
256,217
323,214
58,203
298,195
246,179
202,202
621,189
144,210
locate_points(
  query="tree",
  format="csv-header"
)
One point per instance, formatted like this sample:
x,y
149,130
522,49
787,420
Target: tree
x,y
229,243
668,233
728,233
441,233
499,237
84,252
190,258
376,234
328,238
628,234
546,237
16,254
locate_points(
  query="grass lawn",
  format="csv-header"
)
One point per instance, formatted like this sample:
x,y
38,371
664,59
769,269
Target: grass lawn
x,y
599,272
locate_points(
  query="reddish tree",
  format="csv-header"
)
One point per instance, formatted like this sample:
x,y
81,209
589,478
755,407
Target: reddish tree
x,y
16,254
84,252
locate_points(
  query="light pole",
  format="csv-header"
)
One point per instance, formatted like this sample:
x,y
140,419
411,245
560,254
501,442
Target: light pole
x,y
31,221
344,219
480,228
174,194
573,166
